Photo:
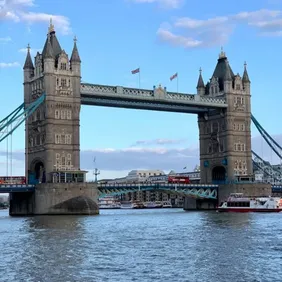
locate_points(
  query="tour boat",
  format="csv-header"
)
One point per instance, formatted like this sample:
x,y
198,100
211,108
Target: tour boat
x,y
167,204
153,205
109,206
237,202
137,205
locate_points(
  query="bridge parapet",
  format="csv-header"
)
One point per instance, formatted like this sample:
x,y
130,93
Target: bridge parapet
x,y
156,94
12,188
191,190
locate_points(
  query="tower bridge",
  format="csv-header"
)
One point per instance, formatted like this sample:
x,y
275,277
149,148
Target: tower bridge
x,y
53,95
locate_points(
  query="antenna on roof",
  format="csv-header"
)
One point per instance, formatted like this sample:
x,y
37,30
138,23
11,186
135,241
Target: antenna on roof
x,y
96,171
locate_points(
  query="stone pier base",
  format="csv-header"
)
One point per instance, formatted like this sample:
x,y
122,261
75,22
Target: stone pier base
x,y
66,198
56,199
21,203
224,190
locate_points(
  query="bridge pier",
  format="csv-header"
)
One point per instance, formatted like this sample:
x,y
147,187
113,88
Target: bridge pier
x,y
56,199
224,190
66,199
21,203
192,204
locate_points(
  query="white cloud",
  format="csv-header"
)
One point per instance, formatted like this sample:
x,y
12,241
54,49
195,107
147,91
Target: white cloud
x,y
5,39
159,141
9,65
117,162
172,4
190,33
177,40
18,11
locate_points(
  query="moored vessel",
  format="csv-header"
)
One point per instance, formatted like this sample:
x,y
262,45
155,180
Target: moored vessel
x,y
167,204
137,205
237,202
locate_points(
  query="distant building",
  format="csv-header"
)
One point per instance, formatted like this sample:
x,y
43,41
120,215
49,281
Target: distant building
x,y
142,175
266,173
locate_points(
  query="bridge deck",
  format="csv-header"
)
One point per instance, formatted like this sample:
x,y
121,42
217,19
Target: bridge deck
x,y
13,188
156,99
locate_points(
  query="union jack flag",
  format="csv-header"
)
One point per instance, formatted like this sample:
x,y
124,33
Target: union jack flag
x,y
173,76
135,71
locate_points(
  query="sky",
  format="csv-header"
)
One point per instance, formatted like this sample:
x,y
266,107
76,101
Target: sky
x,y
161,37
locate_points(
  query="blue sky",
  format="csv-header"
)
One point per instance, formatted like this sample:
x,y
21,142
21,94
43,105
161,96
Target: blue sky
x,y
161,37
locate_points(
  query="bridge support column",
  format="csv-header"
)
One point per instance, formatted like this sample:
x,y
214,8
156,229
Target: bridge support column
x,y
21,204
66,199
192,204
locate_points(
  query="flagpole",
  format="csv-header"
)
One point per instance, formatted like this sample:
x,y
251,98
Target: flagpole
x,y
139,77
177,84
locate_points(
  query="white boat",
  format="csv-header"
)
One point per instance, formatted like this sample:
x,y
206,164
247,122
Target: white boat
x,y
237,202
167,205
110,206
126,206
152,205
109,202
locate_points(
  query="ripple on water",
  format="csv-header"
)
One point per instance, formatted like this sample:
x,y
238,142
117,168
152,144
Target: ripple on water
x,y
142,245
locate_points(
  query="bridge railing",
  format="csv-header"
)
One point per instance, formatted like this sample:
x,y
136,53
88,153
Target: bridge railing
x,y
151,95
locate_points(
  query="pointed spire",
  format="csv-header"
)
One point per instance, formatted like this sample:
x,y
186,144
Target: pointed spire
x,y
75,56
222,54
51,27
245,74
201,83
49,49
28,61
228,74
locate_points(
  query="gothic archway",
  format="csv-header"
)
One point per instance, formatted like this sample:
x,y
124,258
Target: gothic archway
x,y
37,172
38,169
218,174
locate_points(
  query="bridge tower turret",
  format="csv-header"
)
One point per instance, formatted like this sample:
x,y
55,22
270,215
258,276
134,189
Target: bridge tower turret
x,y
225,135
201,85
52,132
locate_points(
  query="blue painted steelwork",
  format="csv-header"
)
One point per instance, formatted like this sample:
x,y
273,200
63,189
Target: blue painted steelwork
x,y
10,123
13,188
276,188
193,190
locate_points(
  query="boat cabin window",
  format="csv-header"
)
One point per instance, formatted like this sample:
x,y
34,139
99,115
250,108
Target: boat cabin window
x,y
236,195
238,204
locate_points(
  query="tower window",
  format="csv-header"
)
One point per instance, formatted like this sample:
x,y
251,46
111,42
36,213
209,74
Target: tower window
x,y
57,114
63,82
63,114
69,114
63,66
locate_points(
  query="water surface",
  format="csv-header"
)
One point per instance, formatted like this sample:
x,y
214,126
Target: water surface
x,y
142,245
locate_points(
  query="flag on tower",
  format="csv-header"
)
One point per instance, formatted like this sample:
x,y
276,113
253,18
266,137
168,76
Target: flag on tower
x,y
135,71
173,76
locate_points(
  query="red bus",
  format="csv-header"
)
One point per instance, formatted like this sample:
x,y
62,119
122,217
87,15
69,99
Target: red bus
x,y
12,180
179,179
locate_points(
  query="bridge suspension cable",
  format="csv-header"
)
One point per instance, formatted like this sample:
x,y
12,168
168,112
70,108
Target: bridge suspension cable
x,y
269,140
11,122
267,168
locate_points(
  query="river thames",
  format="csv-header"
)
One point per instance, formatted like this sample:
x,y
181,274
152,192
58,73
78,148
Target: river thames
x,y
142,245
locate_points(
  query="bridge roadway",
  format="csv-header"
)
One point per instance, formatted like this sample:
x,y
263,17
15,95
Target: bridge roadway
x,y
157,99
194,190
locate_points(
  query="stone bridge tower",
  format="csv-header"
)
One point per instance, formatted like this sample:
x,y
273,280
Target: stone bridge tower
x,y
52,132
225,135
